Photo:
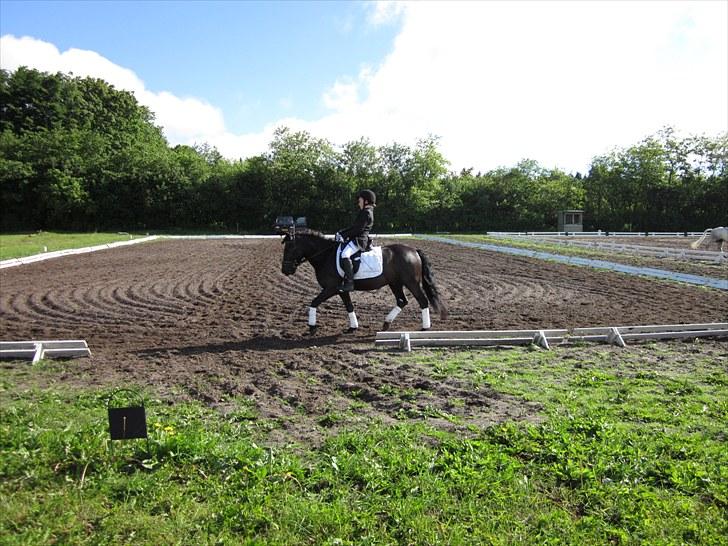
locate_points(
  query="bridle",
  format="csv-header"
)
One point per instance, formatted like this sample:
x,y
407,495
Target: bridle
x,y
294,263
298,261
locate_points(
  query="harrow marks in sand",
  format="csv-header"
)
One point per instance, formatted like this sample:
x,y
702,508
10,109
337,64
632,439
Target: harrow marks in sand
x,y
218,322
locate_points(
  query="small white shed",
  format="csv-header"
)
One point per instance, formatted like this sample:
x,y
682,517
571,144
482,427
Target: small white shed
x,y
571,220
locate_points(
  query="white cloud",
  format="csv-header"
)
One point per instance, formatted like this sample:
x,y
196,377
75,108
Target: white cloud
x,y
184,120
342,96
385,11
558,82
27,51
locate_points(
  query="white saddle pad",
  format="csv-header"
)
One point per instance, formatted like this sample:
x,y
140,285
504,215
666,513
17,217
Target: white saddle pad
x,y
371,263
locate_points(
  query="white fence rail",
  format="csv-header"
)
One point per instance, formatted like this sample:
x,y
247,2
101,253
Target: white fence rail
x,y
644,250
617,335
598,233
38,350
571,238
13,262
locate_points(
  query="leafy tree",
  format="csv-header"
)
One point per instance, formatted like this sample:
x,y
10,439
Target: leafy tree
x,y
77,153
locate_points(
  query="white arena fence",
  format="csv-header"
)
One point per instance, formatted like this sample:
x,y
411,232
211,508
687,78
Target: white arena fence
x,y
644,250
12,262
71,251
572,239
598,233
38,350
616,335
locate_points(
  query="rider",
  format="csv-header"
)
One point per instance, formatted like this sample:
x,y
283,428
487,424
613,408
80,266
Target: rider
x,y
357,236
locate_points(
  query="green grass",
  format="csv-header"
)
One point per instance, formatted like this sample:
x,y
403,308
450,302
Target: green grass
x,y
535,245
18,245
630,449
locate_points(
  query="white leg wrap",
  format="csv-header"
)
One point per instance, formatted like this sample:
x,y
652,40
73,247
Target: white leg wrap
x,y
312,316
396,310
353,323
426,318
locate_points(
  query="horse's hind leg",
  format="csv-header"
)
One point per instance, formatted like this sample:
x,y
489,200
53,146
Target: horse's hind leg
x,y
398,292
421,298
353,323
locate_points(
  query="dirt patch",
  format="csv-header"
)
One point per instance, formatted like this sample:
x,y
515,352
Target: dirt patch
x,y
218,322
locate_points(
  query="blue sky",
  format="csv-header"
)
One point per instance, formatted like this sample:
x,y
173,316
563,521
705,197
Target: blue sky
x,y
558,82
256,60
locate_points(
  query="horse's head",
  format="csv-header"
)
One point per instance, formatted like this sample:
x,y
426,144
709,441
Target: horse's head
x,y
301,245
292,254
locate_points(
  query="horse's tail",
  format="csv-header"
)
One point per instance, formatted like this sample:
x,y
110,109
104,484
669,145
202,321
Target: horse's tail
x,y
696,244
428,285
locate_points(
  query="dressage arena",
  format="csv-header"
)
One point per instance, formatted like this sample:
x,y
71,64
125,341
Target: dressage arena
x,y
217,321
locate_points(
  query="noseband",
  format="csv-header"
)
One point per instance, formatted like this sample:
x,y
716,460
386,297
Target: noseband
x,y
294,263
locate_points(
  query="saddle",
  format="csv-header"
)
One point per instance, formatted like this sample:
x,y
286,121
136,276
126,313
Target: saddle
x,y
366,265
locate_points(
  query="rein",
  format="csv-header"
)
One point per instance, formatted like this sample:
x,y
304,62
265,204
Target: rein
x,y
302,259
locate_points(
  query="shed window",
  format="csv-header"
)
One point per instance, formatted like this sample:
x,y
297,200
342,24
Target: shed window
x,y
572,218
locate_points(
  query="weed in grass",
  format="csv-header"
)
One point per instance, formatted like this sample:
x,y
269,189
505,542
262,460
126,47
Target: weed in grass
x,y
330,419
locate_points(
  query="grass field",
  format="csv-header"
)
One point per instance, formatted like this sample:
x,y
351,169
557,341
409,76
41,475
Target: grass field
x,y
532,244
630,449
18,245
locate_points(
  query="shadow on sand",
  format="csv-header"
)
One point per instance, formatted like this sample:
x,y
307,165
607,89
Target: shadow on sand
x,y
261,343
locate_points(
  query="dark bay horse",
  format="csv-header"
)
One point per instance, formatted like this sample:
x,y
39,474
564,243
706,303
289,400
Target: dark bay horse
x,y
403,266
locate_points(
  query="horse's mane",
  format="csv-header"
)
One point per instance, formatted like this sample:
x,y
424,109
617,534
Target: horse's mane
x,y
313,233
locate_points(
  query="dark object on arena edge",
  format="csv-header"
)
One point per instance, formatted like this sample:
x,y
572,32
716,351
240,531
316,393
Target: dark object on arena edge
x,y
285,224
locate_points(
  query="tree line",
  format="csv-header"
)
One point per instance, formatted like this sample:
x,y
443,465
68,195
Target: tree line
x,y
78,154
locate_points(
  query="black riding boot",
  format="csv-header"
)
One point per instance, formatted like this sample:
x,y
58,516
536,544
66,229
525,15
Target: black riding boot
x,y
347,284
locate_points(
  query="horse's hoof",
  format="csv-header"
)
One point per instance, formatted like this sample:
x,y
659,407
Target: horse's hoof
x,y
350,330
424,329
312,330
386,326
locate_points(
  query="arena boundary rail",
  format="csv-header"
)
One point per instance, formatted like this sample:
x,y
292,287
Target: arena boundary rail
x,y
615,335
38,350
598,233
573,239
13,262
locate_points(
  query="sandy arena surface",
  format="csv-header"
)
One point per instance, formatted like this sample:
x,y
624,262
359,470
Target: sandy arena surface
x,y
217,321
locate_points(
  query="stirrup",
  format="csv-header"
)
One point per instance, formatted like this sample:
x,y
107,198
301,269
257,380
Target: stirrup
x,y
346,286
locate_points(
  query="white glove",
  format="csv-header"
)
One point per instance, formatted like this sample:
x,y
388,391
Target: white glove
x,y
338,238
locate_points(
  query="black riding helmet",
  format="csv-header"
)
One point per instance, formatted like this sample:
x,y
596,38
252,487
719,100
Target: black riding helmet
x,y
368,196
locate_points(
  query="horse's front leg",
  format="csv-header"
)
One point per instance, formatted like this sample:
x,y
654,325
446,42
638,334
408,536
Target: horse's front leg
x,y
353,323
325,294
